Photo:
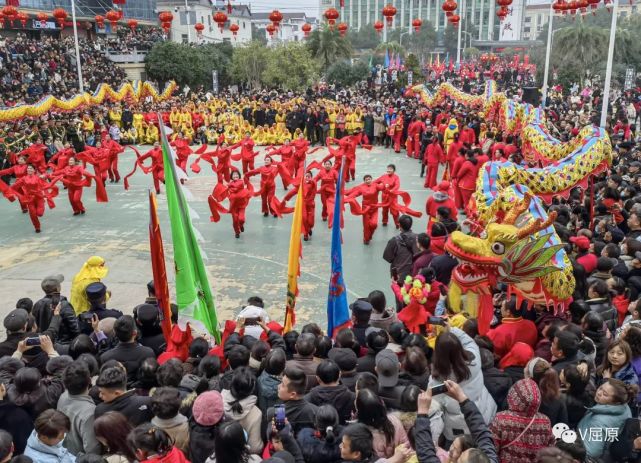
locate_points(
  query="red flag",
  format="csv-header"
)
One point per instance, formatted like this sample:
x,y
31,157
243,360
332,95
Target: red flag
x,y
158,268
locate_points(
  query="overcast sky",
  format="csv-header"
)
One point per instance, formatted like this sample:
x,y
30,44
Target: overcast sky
x,y
308,6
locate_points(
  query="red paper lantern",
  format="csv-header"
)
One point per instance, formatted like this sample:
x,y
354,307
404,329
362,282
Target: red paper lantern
x,y
379,26
416,24
132,23
558,6
42,18
113,17
10,12
120,14
276,17
200,27
165,17
234,28
573,7
118,2
60,14
331,14
307,28
504,3
342,29
502,13
229,7
594,4
270,28
454,19
23,18
389,11
449,6
166,26
220,18
100,21
583,6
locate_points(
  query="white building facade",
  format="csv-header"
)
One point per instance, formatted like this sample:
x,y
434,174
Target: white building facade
x,y
364,13
291,27
188,13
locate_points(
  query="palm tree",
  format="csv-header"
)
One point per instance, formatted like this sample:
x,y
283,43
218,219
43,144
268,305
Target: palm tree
x,y
328,46
391,47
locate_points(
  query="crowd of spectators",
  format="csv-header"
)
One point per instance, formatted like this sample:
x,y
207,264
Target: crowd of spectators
x,y
33,68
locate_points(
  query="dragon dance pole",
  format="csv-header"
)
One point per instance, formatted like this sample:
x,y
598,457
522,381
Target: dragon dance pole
x,y
608,71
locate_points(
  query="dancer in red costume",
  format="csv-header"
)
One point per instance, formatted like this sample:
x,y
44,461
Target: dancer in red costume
x,y
467,178
286,153
114,149
440,198
390,182
98,157
455,168
75,178
452,152
414,132
182,152
156,168
328,178
247,154
18,171
61,158
239,192
224,167
397,132
347,152
301,145
36,155
337,154
432,158
33,190
268,175
369,208
309,203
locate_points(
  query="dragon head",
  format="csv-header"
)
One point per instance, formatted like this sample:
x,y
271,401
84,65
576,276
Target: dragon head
x,y
507,253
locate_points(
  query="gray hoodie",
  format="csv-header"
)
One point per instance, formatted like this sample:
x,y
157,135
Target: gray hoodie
x,y
80,409
250,419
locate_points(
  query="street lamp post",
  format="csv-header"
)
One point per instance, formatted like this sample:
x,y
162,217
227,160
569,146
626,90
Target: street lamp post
x,y
608,69
187,21
460,27
400,40
81,85
548,50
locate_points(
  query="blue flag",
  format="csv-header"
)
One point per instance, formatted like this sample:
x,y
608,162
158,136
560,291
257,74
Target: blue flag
x,y
386,64
337,309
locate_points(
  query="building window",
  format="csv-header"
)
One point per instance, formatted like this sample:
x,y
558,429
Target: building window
x,y
185,39
528,19
244,24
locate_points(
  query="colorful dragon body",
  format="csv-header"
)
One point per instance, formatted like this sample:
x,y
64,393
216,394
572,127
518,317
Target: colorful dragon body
x,y
519,246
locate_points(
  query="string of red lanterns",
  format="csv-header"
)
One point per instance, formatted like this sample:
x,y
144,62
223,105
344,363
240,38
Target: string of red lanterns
x,y
307,28
60,14
276,17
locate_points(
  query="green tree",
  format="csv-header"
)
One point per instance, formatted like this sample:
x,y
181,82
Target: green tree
x,y
259,35
174,61
328,46
366,38
391,47
344,74
249,63
424,41
290,66
216,56
450,40
577,49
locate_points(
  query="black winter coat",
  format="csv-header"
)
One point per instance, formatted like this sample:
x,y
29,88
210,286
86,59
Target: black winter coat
x,y
318,450
498,384
339,396
43,313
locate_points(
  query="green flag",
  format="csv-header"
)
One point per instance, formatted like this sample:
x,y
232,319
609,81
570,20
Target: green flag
x,y
193,294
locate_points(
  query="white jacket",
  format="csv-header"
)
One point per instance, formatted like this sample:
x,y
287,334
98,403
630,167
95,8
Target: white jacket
x,y
474,389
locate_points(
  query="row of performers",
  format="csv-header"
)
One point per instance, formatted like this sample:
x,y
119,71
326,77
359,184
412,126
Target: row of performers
x,y
36,183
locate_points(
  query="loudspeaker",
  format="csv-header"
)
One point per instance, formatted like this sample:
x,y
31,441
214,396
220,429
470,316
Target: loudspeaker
x,y
531,95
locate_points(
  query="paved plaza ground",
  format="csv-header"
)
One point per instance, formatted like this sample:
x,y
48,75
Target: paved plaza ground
x,y
255,264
